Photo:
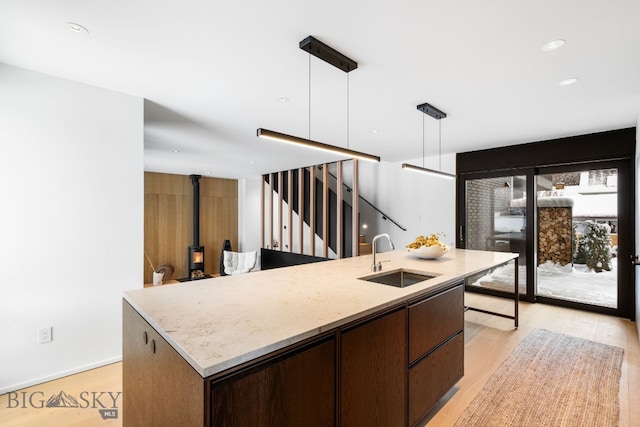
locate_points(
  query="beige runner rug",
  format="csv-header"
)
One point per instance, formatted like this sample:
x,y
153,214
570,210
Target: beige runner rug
x,y
551,379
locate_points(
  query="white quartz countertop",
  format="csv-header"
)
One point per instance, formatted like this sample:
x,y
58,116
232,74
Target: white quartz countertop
x,y
219,323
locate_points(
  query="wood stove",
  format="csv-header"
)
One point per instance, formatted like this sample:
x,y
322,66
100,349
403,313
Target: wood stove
x,y
196,252
196,262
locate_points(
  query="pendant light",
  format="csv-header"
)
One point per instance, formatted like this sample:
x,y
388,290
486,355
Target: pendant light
x,y
283,137
320,50
438,115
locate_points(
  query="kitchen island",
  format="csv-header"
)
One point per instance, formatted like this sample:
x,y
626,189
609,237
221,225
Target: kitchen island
x,y
313,344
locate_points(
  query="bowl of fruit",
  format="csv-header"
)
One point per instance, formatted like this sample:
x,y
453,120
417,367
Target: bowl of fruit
x,y
427,247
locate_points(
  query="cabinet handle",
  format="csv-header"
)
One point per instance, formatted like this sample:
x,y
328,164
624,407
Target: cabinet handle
x,y
153,346
145,337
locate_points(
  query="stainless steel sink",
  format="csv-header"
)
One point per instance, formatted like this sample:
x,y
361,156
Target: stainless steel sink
x,y
399,278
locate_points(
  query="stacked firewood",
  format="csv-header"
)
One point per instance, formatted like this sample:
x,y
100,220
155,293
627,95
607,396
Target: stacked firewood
x,y
554,235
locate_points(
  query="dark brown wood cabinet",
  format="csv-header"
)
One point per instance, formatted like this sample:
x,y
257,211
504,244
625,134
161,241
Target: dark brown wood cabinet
x,y
433,320
387,369
296,389
436,349
433,376
372,374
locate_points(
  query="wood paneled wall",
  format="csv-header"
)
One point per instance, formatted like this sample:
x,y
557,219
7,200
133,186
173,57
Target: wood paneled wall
x,y
168,227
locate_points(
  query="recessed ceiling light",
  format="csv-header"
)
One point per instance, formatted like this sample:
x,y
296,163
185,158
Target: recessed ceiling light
x,y
176,151
253,162
553,45
283,99
375,131
76,28
567,82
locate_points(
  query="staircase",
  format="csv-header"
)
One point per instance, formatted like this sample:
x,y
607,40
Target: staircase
x,y
297,201
365,247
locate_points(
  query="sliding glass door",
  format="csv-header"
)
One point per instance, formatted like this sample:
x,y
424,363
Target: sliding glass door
x,y
577,236
566,207
496,220
567,224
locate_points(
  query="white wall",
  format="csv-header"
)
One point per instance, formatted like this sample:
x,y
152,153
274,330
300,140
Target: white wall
x,y
421,203
249,227
71,227
249,214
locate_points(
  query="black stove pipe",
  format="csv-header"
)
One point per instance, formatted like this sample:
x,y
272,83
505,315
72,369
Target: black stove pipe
x,y
195,180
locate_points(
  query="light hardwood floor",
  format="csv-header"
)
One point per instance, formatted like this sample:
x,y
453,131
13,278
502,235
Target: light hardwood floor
x,y
488,341
24,408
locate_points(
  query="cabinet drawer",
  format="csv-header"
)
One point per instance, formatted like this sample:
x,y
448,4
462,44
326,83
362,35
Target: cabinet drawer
x,y
433,376
433,320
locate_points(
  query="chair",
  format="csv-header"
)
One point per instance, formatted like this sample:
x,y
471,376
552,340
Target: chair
x,y
239,262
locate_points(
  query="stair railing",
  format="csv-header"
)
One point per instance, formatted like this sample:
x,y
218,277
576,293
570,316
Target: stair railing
x,y
275,183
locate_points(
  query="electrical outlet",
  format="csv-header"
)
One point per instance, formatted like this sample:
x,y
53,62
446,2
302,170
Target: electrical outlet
x,y
45,335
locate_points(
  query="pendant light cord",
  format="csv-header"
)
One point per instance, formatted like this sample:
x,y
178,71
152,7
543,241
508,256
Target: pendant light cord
x,y
440,143
309,121
347,110
423,140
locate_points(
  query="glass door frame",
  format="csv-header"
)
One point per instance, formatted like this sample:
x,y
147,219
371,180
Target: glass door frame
x,y
530,250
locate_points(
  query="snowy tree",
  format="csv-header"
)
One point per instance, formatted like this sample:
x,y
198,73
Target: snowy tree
x,y
597,246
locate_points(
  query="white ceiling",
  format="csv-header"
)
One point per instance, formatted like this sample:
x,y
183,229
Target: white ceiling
x,y
212,72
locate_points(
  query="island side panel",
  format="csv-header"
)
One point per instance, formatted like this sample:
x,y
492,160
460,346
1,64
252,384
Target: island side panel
x,y
159,388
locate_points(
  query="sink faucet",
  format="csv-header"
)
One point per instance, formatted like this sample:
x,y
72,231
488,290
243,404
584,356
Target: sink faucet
x,y
378,266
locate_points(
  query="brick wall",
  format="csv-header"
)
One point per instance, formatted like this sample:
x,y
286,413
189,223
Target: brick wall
x,y
485,197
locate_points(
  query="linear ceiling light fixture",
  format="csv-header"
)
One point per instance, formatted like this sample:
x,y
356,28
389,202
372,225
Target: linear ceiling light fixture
x,y
438,115
283,137
328,54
